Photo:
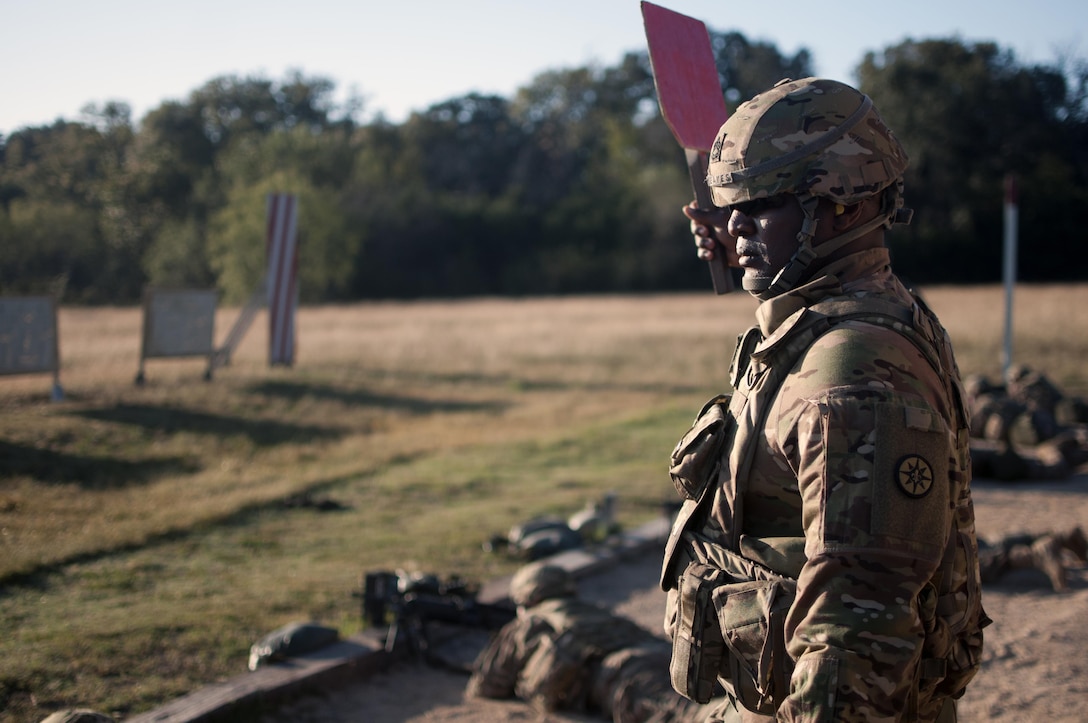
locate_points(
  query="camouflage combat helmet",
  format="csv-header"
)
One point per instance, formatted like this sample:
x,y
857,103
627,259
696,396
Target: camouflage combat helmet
x,y
538,582
813,138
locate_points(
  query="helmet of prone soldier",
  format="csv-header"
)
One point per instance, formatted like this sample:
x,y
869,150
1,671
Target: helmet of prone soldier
x,y
813,138
537,582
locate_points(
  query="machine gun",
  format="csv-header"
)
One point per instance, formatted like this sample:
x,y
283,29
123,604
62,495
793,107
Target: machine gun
x,y
409,604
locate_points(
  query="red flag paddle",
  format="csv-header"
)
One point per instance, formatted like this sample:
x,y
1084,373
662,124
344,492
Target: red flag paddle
x,y
690,96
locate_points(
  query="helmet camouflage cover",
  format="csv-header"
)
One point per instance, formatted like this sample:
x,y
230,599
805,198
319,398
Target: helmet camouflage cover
x,y
812,136
538,582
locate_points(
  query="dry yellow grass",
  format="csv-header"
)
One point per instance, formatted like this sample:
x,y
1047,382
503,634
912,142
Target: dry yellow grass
x,y
147,523
100,347
480,371
1050,325
384,381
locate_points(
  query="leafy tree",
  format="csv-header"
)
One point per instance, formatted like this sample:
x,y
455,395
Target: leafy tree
x,y
747,68
313,167
433,195
465,144
177,256
230,106
968,115
49,247
170,156
573,184
69,168
222,146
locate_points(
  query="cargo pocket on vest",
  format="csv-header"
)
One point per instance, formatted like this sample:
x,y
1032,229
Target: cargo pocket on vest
x,y
697,457
751,616
697,645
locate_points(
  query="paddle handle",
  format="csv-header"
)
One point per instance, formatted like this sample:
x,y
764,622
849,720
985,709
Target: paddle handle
x,y
719,269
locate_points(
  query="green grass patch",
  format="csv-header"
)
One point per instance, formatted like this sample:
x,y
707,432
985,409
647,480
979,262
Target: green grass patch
x,y
134,628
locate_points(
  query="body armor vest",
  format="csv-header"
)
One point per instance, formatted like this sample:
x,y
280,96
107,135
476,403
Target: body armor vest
x,y
729,594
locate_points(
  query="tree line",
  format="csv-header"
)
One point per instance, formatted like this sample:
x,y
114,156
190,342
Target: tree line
x,y
574,184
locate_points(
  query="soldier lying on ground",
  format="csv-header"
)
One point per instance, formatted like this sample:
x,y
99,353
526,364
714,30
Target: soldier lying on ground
x,y
1028,429
1027,409
1040,552
1001,460
562,653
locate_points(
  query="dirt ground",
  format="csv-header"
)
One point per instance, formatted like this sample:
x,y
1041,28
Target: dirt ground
x,y
1034,667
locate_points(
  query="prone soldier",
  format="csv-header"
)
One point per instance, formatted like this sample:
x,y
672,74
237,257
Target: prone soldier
x,y
1026,428
1045,552
563,653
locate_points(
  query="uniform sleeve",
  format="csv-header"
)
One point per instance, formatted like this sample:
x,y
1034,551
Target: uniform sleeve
x,y
495,672
873,474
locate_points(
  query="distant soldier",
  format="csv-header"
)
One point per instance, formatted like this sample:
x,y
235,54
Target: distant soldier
x,y
1030,428
1038,399
563,653
1040,552
1029,408
993,411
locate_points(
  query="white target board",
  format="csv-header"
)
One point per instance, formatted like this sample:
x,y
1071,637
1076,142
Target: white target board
x,y
28,335
178,323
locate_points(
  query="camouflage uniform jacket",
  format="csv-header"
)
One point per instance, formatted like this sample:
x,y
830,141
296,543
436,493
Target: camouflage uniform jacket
x,y
842,519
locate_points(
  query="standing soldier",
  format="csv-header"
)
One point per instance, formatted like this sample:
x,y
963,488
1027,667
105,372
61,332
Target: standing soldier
x,y
824,565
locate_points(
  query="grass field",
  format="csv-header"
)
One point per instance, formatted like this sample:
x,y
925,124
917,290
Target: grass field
x,y
150,534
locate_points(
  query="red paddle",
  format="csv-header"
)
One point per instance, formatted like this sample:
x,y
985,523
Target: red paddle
x,y
690,96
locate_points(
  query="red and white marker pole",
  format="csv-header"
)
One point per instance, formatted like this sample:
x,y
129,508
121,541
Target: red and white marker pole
x,y
282,250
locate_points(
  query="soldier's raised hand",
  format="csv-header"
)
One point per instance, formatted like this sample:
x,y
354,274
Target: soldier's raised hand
x,y
708,227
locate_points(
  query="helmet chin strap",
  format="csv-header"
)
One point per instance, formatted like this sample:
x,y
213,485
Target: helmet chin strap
x,y
795,269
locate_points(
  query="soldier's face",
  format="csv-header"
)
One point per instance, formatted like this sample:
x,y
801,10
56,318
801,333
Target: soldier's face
x,y
766,234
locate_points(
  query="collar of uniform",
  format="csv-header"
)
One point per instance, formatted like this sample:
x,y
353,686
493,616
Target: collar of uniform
x,y
772,313
861,269
842,276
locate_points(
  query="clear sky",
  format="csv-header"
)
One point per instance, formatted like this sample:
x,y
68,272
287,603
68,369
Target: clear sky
x,y
404,55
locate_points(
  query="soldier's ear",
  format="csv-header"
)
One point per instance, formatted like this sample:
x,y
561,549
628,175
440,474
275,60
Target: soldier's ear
x,y
846,217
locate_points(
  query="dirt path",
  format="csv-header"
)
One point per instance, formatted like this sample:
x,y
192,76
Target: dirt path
x,y
1034,667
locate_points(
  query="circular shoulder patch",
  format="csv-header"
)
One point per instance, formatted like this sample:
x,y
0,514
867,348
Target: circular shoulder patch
x,y
914,475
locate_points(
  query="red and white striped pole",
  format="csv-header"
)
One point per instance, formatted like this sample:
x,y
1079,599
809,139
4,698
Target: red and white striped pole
x,y
1012,201
282,250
